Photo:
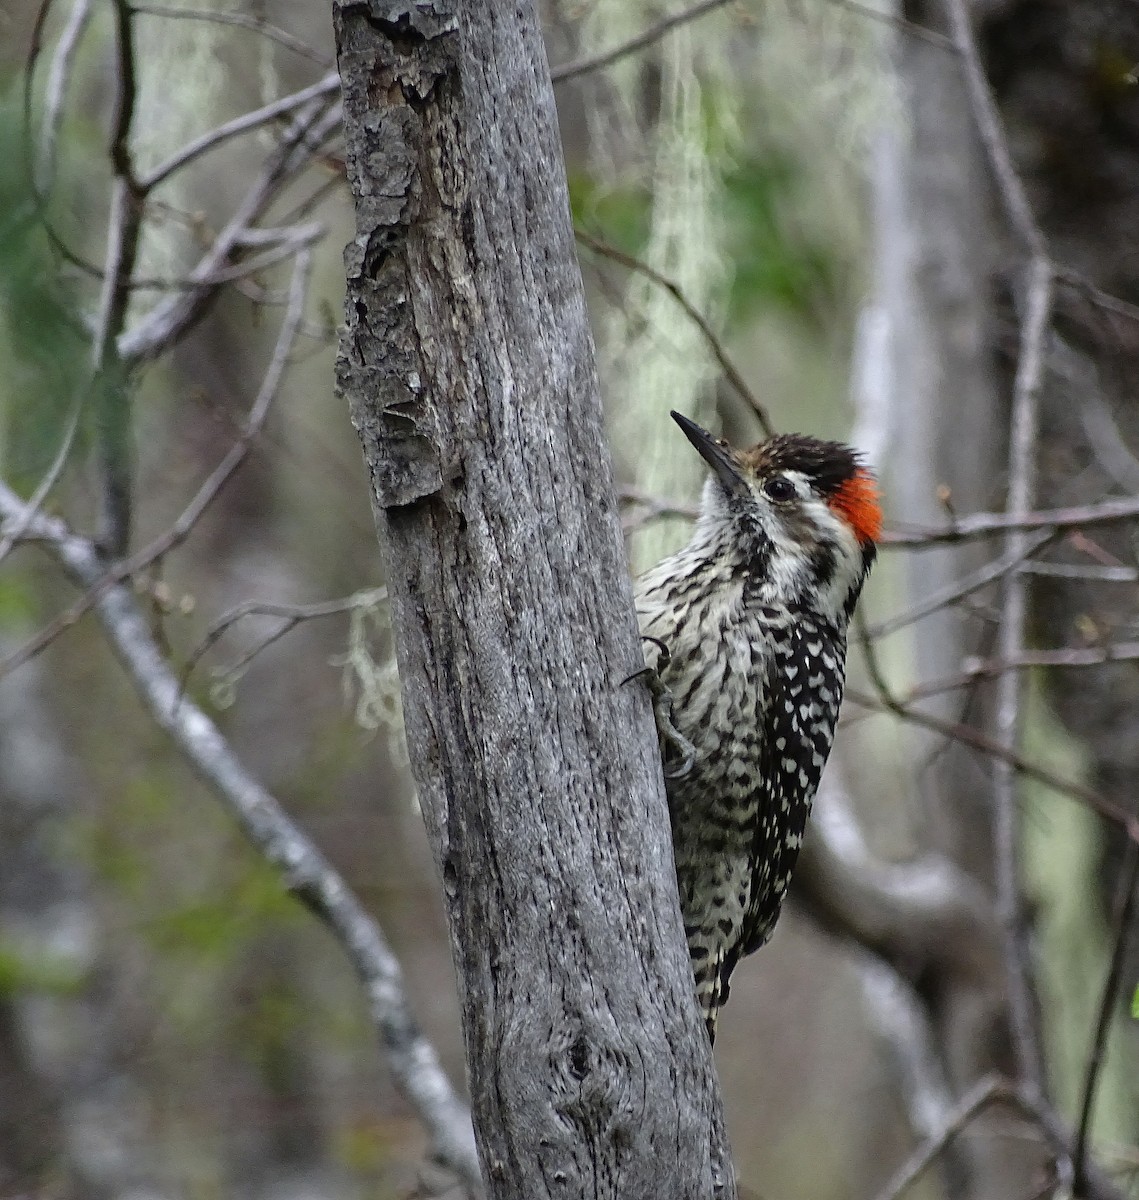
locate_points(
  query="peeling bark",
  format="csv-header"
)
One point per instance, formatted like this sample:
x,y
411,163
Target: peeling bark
x,y
468,364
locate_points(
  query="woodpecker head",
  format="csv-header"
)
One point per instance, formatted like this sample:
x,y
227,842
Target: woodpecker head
x,y
798,516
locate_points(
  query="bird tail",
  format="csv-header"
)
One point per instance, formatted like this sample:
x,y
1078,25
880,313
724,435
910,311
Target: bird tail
x,y
711,991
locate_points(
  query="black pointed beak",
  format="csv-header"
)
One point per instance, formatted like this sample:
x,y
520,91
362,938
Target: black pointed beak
x,y
714,454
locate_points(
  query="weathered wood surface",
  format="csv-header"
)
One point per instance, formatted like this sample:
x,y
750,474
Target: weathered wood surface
x,y
468,363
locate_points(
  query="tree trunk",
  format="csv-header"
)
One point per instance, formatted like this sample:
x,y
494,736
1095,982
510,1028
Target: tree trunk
x,y
468,364
940,243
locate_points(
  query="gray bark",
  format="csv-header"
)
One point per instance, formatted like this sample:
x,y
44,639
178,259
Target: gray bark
x,y
468,364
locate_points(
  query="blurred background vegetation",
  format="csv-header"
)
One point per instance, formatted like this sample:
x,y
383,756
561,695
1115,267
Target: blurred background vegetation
x,y
172,1023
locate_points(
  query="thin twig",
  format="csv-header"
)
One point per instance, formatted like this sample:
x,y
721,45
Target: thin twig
x,y
168,320
327,86
969,528
652,33
291,614
1096,295
901,24
967,735
1125,901
235,456
241,20
1088,574
981,668
51,477
1011,560
653,508
304,870
978,525
715,345
1068,656
972,1104
113,400
991,132
207,492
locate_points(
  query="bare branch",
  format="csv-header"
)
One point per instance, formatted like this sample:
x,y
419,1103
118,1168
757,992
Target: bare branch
x,y
1023,1001
241,20
901,1021
901,24
304,870
235,456
168,320
963,529
1090,574
920,916
968,736
50,479
992,135
714,344
1011,560
974,1102
184,525
328,86
658,30
112,399
58,78
291,615
653,33
1107,512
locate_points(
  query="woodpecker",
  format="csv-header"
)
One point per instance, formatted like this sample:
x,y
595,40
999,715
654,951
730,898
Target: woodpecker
x,y
745,648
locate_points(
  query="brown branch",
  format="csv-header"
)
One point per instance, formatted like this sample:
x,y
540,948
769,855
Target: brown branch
x,y
124,228
694,315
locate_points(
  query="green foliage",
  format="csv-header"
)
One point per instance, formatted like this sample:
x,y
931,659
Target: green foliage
x,y
219,924
204,917
42,342
620,215
266,1031
19,604
23,969
777,263
1135,1005
1062,847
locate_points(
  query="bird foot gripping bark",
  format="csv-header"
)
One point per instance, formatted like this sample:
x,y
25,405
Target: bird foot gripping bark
x,y
662,711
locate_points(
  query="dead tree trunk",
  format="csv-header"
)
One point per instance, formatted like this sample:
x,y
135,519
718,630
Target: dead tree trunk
x,y
468,363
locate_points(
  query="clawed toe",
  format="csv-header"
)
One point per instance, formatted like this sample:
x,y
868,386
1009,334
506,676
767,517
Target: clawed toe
x,y
662,711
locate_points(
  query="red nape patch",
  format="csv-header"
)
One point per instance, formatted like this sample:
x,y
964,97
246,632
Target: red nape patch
x,y
856,501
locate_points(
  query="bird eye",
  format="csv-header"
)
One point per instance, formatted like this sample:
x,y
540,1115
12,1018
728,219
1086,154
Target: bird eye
x,y
779,487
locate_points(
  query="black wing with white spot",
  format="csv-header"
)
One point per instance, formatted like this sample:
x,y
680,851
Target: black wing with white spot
x,y
798,724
